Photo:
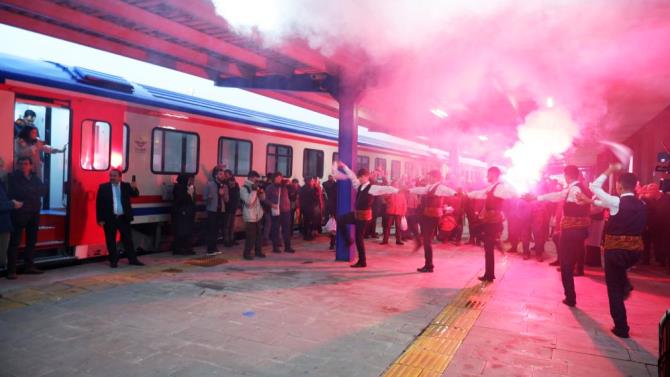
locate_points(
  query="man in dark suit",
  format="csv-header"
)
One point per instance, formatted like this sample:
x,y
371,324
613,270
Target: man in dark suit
x,y
114,213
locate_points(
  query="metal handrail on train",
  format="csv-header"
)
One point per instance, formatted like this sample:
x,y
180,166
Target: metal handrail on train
x,y
664,346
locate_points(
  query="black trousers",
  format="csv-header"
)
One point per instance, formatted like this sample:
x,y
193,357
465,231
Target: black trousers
x,y
308,221
30,221
215,224
229,228
254,238
361,227
490,234
391,220
617,263
571,245
281,222
413,227
121,225
428,228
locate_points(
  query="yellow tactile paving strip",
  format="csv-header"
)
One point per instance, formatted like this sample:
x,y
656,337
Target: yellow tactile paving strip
x,y
432,351
61,290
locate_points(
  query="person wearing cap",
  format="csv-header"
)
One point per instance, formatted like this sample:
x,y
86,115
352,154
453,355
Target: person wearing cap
x,y
623,240
361,217
491,217
432,204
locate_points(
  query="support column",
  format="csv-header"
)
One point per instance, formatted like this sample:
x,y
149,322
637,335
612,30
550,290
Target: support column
x,y
347,151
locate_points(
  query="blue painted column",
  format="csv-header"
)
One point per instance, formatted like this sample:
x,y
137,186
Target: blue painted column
x,y
347,150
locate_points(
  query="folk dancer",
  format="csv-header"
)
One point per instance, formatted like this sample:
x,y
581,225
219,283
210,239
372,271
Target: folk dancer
x,y
432,199
623,241
491,217
361,217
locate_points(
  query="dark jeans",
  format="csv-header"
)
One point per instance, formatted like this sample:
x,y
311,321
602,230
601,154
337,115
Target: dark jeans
x,y
266,222
215,224
229,228
361,227
30,221
490,234
282,221
617,263
428,228
254,238
121,225
390,220
308,221
572,249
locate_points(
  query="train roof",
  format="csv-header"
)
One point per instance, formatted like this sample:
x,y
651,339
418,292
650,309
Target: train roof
x,y
97,83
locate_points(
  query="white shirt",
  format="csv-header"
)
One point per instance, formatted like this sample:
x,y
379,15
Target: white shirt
x,y
502,191
569,194
116,197
606,200
441,190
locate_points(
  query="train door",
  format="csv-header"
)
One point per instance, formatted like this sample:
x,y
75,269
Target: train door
x,y
50,162
96,147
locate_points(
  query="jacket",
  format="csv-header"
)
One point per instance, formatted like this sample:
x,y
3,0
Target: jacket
x,y
211,196
6,206
272,196
27,190
104,202
252,211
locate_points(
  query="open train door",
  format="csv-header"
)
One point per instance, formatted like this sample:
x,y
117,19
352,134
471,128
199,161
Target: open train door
x,y
96,147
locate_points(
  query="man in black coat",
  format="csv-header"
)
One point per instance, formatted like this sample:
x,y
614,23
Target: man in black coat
x,y
25,187
114,213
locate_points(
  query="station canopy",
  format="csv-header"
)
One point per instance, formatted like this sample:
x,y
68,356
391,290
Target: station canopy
x,y
416,101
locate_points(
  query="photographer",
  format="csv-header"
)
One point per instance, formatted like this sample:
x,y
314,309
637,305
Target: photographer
x,y
280,210
252,213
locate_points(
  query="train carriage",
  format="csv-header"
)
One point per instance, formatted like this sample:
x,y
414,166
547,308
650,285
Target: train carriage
x,y
153,134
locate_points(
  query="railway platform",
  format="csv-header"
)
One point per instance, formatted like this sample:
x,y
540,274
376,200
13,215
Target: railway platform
x,y
303,314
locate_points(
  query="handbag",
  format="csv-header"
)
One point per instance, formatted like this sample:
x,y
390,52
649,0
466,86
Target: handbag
x,y
331,225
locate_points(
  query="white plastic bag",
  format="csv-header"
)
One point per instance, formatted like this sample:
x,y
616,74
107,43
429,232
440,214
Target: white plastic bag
x,y
403,224
331,225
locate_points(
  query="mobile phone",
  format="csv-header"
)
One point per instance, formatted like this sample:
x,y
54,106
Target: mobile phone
x,y
134,179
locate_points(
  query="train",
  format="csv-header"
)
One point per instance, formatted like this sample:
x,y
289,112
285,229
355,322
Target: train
x,y
152,134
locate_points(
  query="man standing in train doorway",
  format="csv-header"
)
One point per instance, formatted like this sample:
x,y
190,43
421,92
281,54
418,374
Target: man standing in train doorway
x,y
491,217
574,229
623,240
114,213
432,203
361,217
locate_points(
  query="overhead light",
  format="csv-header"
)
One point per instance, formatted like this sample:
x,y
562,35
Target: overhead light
x,y
439,113
550,102
483,138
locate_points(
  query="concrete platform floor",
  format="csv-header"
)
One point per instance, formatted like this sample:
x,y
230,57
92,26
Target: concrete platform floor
x,y
306,315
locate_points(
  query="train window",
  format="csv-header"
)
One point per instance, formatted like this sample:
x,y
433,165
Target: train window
x,y
279,159
395,169
380,164
126,153
95,145
174,152
312,163
235,154
363,162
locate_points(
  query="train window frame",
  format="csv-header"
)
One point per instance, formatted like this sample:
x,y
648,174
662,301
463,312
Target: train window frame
x,y
251,154
274,169
109,144
183,162
319,169
126,144
394,164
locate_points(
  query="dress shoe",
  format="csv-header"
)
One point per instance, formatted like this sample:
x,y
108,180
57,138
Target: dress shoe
x,y
384,243
400,243
136,263
11,275
113,264
290,251
555,263
260,255
571,304
526,256
425,269
248,257
486,279
359,264
620,333
32,271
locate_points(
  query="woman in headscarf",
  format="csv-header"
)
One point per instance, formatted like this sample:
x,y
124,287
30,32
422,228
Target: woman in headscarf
x,y
183,214
27,144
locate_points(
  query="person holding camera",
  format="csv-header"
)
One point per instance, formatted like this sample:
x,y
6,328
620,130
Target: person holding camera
x,y
280,211
252,212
